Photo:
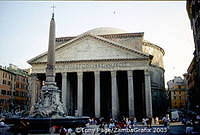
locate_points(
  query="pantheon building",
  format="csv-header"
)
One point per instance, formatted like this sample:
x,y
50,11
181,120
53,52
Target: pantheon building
x,y
107,72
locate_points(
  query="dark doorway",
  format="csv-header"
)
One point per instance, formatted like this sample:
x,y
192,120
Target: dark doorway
x,y
88,93
41,77
72,85
138,77
58,80
105,94
122,84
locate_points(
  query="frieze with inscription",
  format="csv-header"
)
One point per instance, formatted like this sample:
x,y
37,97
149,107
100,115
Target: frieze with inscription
x,y
92,66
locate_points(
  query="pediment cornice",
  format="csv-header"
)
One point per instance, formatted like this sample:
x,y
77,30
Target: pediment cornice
x,y
81,37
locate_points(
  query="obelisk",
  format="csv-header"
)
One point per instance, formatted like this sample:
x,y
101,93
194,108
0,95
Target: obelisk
x,y
50,104
50,69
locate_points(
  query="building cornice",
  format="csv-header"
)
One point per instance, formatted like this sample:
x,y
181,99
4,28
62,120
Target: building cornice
x,y
156,66
14,72
99,60
139,34
147,43
64,39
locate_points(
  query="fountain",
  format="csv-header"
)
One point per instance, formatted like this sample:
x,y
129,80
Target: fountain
x,y
50,104
49,110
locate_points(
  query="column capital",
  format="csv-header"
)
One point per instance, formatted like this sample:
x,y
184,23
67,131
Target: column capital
x,y
80,74
130,73
64,74
146,72
113,73
96,73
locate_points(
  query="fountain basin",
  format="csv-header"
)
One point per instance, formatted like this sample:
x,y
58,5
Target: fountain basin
x,y
42,125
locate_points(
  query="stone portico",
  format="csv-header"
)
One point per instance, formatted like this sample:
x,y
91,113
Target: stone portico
x,y
103,75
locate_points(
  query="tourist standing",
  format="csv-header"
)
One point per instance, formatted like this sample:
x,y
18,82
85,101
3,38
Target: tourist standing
x,y
63,131
69,131
149,122
157,121
52,130
134,121
189,129
144,120
166,120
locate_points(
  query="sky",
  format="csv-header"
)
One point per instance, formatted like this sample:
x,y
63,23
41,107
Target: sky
x,y
24,27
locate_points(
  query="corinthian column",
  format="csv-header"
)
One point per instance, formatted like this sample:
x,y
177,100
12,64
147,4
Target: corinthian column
x,y
131,94
64,89
148,96
115,99
97,94
80,93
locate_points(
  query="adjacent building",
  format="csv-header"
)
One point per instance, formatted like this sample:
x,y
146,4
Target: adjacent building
x,y
6,89
192,85
177,89
15,89
107,72
193,75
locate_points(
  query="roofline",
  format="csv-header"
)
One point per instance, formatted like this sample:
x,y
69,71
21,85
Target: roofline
x,y
137,34
14,72
94,36
6,70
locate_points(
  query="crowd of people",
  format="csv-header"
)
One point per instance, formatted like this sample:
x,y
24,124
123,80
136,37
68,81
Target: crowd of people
x,y
122,123
110,124
101,123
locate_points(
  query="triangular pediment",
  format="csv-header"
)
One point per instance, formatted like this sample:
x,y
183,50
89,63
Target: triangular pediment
x,y
90,47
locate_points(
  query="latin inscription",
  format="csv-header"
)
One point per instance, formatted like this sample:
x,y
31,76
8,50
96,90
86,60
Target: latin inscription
x,y
93,66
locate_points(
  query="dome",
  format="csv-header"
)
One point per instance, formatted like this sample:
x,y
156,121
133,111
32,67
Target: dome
x,y
105,31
